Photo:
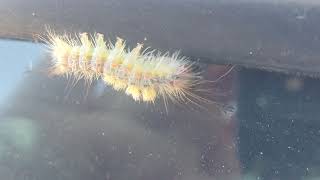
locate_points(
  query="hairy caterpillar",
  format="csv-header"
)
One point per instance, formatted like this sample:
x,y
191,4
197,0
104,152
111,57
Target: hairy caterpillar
x,y
143,75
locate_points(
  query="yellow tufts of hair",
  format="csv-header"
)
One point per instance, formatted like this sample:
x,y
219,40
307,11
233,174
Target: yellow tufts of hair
x,y
160,72
74,54
61,49
109,79
119,43
134,91
120,85
86,48
135,53
118,58
149,94
101,49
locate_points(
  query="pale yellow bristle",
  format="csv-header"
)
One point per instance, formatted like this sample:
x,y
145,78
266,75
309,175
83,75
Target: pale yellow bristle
x,y
85,40
136,51
61,49
149,94
119,43
120,84
109,79
134,91
75,52
86,48
100,47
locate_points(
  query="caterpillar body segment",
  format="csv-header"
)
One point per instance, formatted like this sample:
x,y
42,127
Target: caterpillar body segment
x,y
143,75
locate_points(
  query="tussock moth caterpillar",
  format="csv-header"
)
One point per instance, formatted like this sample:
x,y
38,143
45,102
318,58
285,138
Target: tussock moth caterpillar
x,y
142,74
